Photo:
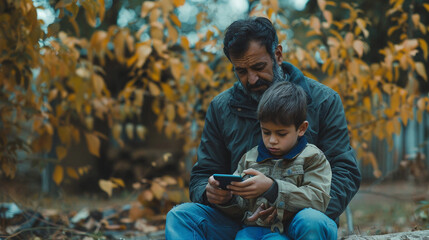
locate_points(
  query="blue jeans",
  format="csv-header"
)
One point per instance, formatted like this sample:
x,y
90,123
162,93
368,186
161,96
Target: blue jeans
x,y
198,221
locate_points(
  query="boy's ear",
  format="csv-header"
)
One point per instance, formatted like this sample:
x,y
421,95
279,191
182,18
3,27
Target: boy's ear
x,y
302,128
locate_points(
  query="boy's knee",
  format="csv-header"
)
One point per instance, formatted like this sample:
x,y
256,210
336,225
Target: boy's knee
x,y
314,224
311,217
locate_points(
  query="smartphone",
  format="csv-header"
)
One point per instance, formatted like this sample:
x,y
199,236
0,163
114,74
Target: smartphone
x,y
226,179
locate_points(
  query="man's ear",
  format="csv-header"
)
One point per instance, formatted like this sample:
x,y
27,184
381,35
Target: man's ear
x,y
278,54
302,128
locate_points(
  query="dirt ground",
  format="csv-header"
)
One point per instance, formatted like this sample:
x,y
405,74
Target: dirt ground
x,y
376,209
387,208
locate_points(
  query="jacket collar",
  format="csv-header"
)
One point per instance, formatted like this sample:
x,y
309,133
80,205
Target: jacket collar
x,y
264,154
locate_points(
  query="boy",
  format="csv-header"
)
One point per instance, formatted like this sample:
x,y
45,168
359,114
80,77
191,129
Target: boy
x,y
288,173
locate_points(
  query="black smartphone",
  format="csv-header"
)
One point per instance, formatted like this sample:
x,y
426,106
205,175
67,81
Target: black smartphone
x,y
226,179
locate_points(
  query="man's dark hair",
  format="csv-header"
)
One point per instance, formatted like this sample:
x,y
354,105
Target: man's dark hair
x,y
283,103
241,32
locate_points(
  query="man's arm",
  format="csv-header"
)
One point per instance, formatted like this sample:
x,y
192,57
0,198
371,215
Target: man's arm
x,y
335,143
212,155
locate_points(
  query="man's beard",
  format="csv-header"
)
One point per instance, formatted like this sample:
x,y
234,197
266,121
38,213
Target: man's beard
x,y
278,76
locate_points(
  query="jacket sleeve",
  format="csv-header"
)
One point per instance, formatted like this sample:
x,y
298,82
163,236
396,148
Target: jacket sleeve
x,y
335,143
314,190
212,156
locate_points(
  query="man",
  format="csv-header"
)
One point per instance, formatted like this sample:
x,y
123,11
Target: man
x,y
231,129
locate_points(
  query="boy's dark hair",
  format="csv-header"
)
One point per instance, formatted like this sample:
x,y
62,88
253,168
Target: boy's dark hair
x,y
283,103
241,32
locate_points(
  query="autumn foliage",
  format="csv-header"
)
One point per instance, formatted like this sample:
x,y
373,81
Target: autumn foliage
x,y
53,83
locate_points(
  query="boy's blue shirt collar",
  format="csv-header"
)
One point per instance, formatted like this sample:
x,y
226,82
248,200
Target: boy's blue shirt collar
x,y
264,154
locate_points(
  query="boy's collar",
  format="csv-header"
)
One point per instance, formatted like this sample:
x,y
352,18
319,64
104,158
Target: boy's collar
x,y
264,154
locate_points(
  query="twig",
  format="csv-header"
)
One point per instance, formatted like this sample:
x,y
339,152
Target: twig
x,y
53,228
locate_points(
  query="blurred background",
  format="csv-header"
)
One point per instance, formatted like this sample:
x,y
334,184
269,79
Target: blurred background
x,y
102,102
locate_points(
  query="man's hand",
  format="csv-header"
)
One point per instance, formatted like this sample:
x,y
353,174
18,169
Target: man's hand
x,y
216,195
267,215
252,187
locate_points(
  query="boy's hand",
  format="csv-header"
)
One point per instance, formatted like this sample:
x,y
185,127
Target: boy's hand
x,y
216,195
252,187
266,214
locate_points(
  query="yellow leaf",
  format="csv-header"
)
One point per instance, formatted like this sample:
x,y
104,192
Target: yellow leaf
x,y
93,143
175,20
358,47
154,89
184,42
395,100
146,7
129,129
157,190
390,128
156,107
49,128
173,35
168,92
390,112
72,173
107,186
423,45
421,104
322,4
170,112
117,131
326,64
426,6
101,9
98,84
61,152
141,131
118,181
404,114
392,29
89,122
421,70
181,111
178,3
157,30
159,124
75,135
146,195
58,174
367,103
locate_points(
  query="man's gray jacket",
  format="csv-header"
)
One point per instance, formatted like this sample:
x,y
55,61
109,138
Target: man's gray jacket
x,y
231,129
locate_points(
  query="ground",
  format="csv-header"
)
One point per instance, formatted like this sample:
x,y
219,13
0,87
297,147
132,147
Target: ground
x,y
382,208
387,208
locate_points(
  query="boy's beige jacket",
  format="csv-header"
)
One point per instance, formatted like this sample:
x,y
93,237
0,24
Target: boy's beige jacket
x,y
303,182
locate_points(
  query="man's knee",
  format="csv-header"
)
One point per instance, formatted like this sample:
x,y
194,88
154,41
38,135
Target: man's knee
x,y
179,211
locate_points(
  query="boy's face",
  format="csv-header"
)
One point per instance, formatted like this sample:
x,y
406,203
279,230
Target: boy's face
x,y
280,139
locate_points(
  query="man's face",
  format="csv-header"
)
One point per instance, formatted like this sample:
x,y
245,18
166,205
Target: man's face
x,y
256,69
